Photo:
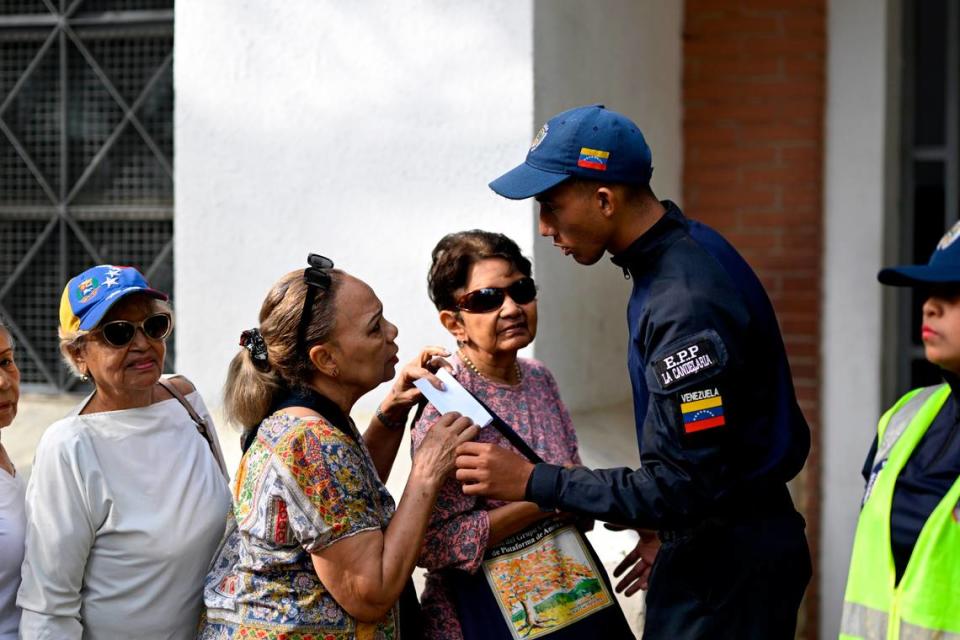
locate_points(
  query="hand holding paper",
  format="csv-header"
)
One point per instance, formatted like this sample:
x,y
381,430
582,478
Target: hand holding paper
x,y
454,398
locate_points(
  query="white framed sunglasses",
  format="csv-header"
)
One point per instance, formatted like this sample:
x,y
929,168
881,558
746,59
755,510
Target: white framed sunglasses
x,y
120,333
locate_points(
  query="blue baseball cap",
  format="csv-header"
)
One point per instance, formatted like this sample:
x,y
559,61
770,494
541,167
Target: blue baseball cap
x,y
589,142
943,267
88,296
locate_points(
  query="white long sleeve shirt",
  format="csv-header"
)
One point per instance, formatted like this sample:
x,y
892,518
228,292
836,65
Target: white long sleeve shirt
x,y
125,510
12,523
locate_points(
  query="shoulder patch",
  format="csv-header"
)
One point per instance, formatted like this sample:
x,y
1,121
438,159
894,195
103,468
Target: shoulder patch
x,y
701,409
684,362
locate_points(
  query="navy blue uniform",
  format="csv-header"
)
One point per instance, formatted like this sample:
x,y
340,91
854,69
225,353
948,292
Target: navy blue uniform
x,y
720,434
932,469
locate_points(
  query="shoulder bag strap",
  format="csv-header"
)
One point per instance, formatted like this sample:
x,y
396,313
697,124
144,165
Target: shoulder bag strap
x,y
507,432
199,422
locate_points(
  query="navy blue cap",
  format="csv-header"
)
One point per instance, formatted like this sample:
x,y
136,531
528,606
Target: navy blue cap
x,y
590,142
943,267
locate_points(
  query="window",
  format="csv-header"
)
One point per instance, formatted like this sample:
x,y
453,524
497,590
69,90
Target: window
x,y
86,156
931,156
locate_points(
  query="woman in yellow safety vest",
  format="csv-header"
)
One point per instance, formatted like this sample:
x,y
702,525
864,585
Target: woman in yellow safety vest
x,y
904,579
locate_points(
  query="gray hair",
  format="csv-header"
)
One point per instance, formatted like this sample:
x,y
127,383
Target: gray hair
x,y
72,341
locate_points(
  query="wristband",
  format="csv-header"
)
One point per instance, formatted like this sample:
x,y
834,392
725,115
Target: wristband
x,y
388,423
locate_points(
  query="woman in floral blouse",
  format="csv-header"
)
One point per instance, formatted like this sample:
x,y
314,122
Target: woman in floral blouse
x,y
318,550
480,283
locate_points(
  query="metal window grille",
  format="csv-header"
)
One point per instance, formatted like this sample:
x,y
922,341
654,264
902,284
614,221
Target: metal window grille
x,y
86,154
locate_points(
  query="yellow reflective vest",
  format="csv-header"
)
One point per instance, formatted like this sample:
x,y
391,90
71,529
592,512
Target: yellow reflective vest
x,y
926,602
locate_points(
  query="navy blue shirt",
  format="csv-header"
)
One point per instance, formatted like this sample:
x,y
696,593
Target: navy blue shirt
x,y
716,413
930,472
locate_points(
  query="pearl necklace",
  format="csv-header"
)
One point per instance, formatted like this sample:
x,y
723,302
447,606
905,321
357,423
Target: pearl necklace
x,y
467,361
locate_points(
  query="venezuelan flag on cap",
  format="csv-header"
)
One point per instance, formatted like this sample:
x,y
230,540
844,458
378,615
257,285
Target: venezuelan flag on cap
x,y
593,159
702,414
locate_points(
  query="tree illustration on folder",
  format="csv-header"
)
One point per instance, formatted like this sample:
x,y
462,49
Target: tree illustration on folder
x,y
542,588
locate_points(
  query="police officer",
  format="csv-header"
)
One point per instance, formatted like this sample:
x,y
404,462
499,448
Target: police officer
x,y
904,579
718,426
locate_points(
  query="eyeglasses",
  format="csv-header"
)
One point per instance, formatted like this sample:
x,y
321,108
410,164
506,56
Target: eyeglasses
x,y
487,299
120,333
317,277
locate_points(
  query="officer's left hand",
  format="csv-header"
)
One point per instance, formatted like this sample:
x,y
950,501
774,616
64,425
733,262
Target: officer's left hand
x,y
488,470
641,558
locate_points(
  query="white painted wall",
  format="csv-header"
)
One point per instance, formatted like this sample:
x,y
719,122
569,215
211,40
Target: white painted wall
x,y
362,131
858,137
628,55
367,131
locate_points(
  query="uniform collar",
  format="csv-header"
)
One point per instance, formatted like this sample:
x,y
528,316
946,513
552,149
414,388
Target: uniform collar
x,y
671,225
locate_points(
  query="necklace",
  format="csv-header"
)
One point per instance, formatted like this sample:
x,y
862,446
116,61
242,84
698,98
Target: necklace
x,y
467,361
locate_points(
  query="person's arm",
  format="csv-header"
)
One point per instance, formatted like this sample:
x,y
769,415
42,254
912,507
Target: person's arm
x,y
662,492
366,571
383,442
684,471
383,438
60,533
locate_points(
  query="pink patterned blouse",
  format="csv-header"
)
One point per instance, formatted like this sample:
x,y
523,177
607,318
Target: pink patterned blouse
x,y
459,527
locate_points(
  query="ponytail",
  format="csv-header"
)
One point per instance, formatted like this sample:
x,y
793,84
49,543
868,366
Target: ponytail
x,y
256,384
249,393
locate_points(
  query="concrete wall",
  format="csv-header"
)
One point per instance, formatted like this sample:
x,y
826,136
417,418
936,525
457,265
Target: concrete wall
x,y
362,131
860,141
626,55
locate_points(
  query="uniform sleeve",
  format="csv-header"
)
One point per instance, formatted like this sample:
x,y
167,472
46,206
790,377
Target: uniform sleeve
x,y
326,493
694,407
60,533
459,527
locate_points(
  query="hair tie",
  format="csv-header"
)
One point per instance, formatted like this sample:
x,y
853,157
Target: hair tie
x,y
252,341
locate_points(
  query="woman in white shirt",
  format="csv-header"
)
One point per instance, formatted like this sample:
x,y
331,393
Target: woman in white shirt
x,y
127,501
12,519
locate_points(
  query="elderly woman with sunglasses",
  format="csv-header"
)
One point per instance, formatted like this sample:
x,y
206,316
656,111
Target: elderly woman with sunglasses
x,y
318,549
481,285
126,502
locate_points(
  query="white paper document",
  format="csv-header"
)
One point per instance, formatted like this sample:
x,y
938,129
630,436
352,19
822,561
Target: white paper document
x,y
454,398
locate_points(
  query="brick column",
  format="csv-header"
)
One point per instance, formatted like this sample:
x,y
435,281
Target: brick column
x,y
753,93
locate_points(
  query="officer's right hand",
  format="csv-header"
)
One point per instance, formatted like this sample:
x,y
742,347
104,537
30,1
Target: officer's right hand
x,y
641,559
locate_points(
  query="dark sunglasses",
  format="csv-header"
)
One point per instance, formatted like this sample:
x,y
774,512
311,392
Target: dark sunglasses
x,y
120,333
316,276
487,299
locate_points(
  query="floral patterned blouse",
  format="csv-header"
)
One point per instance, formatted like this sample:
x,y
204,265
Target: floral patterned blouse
x,y
302,486
460,527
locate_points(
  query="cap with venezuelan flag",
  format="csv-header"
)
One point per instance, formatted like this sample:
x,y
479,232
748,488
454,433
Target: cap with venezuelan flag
x,y
589,142
88,296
